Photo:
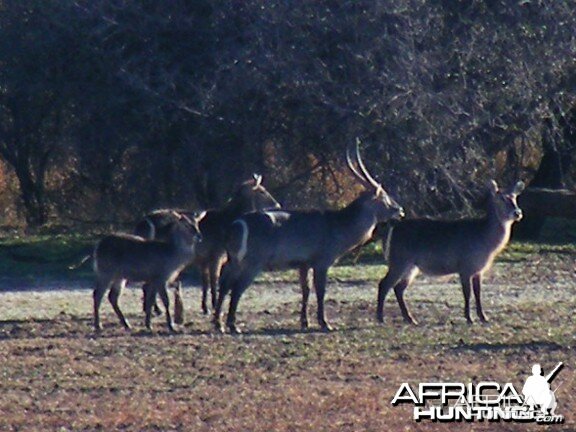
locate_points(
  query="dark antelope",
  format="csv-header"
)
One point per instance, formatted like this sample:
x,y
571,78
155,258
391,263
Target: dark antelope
x,y
301,239
122,257
210,253
435,247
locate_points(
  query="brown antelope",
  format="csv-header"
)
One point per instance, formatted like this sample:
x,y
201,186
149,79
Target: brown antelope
x,y
121,257
157,225
210,253
301,239
436,247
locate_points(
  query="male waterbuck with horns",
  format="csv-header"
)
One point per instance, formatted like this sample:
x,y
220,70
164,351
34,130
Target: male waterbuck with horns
x,y
301,239
250,196
435,247
119,258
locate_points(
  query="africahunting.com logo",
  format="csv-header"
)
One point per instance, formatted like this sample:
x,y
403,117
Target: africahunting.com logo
x,y
487,400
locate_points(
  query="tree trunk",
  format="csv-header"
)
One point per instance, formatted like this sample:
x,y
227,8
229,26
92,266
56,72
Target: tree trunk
x,y
33,197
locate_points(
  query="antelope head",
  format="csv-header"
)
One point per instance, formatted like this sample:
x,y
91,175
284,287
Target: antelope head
x,y
504,201
376,198
254,195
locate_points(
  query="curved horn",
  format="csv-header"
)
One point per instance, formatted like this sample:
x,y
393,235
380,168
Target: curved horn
x,y
365,172
355,171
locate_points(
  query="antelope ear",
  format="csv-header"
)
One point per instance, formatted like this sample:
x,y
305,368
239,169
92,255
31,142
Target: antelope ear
x,y
188,221
518,188
198,215
492,186
257,180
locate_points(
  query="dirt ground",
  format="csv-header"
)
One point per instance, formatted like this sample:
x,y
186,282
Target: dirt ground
x,y
57,375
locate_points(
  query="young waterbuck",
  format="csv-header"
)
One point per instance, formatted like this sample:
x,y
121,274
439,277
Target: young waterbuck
x,y
122,257
435,247
301,239
157,225
213,224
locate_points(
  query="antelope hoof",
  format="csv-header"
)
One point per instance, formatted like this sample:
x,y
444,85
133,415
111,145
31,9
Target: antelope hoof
x,y
380,318
171,327
148,327
304,324
234,330
327,328
219,326
205,310
483,319
410,320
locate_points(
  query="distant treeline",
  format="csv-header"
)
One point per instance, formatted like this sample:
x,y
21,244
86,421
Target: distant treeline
x,y
109,108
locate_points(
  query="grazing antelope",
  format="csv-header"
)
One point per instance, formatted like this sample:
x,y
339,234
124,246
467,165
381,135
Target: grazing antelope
x,y
122,257
214,223
436,247
301,239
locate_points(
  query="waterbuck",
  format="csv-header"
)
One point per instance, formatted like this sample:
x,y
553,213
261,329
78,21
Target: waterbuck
x,y
436,247
157,225
213,224
301,239
122,257
211,254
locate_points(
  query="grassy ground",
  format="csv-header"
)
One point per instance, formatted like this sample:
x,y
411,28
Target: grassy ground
x,y
30,262
56,375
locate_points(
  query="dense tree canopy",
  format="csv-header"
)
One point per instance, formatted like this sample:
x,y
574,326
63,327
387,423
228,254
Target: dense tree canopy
x,y
112,107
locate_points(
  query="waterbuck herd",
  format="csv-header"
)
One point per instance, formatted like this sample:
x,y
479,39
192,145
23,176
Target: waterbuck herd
x,y
251,233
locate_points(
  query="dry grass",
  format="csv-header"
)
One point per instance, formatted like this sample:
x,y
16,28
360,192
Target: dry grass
x,y
56,375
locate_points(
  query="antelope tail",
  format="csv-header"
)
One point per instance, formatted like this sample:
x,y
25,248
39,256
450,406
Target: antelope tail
x,y
80,264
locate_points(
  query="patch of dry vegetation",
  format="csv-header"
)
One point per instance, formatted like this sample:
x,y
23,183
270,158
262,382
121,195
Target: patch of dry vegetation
x,y
55,375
